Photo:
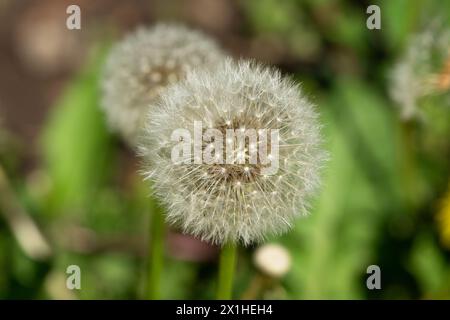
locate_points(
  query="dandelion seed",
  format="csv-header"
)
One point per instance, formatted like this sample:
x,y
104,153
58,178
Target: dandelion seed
x,y
155,76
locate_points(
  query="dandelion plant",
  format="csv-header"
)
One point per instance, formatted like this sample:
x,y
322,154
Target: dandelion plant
x,y
243,199
137,71
420,88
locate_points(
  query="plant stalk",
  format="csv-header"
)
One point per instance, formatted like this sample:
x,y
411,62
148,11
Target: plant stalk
x,y
226,271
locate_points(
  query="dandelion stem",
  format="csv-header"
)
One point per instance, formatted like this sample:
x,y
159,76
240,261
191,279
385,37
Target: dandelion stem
x,y
156,254
226,271
256,287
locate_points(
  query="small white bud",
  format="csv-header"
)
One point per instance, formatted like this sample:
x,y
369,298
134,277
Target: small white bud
x,y
273,260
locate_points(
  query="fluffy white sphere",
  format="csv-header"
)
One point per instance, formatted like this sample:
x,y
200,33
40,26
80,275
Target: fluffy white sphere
x,y
143,64
236,202
273,260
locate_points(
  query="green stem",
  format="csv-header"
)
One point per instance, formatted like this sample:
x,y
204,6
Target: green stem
x,y
226,271
156,254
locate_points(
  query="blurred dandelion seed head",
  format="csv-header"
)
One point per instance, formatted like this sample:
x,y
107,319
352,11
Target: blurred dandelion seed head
x,y
423,70
143,64
273,260
223,203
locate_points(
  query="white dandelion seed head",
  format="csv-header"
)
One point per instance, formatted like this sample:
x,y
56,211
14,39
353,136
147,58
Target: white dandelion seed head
x,y
273,260
236,203
143,64
416,74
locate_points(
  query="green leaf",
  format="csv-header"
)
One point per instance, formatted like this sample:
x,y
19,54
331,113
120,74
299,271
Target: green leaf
x,y
429,267
76,144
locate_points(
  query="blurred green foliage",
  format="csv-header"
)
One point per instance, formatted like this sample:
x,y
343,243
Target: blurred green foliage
x,y
77,146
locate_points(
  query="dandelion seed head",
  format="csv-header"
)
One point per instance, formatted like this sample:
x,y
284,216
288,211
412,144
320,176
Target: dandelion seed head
x,y
142,65
238,202
424,69
273,260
